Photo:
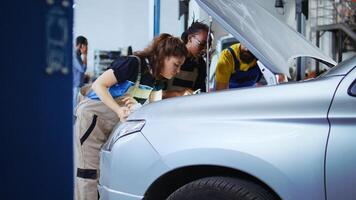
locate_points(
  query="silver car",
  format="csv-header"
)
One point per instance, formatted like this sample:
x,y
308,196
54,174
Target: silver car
x,y
293,141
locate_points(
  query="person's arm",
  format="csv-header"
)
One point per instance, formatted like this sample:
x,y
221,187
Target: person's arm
x,y
79,66
85,59
78,63
221,86
155,96
200,82
176,93
224,70
100,87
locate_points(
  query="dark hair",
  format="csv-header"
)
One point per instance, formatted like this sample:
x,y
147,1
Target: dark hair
x,y
163,46
81,40
193,29
129,50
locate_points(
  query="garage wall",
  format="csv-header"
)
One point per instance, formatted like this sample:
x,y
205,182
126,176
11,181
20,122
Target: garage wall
x,y
169,22
110,24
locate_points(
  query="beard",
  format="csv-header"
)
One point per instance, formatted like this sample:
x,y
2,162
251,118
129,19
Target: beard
x,y
246,56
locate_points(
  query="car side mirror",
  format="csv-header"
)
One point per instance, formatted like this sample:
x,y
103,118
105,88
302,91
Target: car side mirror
x,y
352,89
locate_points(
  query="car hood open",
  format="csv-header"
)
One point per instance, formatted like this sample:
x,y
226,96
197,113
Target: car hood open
x,y
274,43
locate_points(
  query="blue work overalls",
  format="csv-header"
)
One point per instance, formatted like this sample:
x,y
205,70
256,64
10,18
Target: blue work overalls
x,y
243,78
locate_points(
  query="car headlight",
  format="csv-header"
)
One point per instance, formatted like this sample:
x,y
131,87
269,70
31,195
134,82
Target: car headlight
x,y
126,128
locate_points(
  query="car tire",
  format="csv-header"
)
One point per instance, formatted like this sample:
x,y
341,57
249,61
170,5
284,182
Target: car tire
x,y
221,188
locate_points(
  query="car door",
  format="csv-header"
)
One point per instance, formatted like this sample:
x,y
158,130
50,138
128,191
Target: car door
x,y
341,149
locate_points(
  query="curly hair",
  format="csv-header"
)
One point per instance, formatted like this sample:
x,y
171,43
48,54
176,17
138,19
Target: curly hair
x,y
195,28
163,46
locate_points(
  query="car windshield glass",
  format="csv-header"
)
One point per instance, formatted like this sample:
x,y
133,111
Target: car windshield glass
x,y
352,90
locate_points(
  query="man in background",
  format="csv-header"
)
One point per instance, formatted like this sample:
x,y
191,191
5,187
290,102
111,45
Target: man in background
x,y
79,65
236,68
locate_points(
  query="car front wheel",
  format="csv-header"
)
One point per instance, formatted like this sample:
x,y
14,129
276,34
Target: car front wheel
x,y
221,188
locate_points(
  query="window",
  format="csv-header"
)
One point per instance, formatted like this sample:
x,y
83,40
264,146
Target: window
x,y
352,89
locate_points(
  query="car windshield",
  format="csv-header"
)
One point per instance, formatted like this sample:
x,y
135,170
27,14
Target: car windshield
x,y
342,68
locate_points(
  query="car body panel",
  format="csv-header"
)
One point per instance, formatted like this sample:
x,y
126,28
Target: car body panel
x,y
342,68
239,129
123,171
258,34
341,151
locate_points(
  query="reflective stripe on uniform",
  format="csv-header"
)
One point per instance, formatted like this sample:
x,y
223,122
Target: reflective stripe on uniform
x,y
87,173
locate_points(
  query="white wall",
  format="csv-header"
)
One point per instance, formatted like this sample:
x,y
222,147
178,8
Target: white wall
x,y
110,24
199,14
169,22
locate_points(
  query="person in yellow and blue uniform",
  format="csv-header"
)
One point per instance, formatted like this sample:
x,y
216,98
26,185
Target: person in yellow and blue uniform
x,y
236,68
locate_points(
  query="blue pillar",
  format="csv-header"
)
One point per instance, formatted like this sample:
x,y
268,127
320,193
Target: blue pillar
x,y
157,12
36,100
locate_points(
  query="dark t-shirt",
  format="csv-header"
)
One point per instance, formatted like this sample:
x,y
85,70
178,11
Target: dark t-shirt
x,y
126,68
126,73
